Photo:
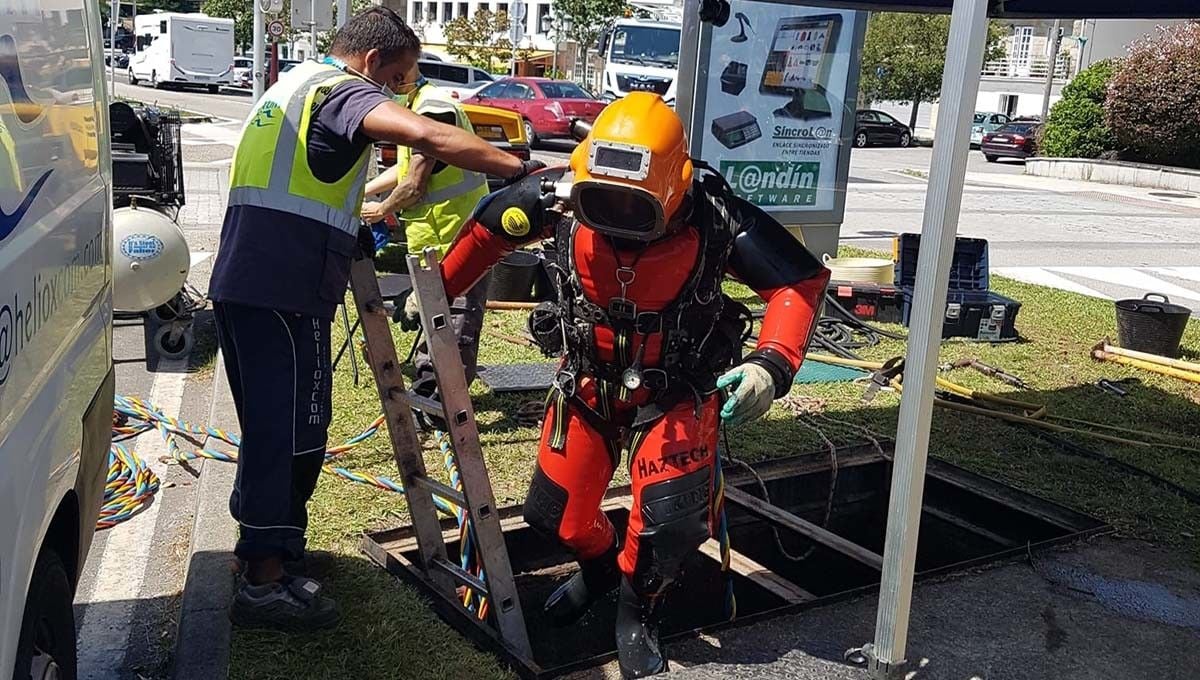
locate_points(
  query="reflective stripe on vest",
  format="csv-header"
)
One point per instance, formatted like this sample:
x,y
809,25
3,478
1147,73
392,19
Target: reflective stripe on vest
x,y
450,195
270,164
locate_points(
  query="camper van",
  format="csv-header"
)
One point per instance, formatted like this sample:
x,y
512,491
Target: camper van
x,y
56,376
182,49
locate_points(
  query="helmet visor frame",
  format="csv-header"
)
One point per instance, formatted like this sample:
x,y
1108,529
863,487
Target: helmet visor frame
x,y
619,210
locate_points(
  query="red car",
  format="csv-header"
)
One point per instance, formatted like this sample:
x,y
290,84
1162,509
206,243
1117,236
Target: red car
x,y
1014,140
548,106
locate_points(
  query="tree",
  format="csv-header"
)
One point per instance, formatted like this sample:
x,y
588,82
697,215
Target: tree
x,y
1154,95
584,20
480,39
1075,127
904,54
242,13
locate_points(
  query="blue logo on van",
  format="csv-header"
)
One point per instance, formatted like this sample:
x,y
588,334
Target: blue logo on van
x,y
9,221
141,246
10,70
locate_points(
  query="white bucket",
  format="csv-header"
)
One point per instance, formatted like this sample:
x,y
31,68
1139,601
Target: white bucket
x,y
861,269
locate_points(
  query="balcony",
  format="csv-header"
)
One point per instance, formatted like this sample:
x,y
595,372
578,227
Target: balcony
x,y
1032,68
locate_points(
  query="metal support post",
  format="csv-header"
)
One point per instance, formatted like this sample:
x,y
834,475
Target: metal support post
x,y
259,48
343,11
943,199
312,27
113,21
1055,42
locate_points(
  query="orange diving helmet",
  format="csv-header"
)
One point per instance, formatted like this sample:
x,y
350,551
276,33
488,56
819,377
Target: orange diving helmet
x,y
632,172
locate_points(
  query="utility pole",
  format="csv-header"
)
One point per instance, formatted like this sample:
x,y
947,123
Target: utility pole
x,y
343,10
259,49
112,46
1055,42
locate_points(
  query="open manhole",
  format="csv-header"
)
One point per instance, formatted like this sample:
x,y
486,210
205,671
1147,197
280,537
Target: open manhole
x,y
1171,194
967,520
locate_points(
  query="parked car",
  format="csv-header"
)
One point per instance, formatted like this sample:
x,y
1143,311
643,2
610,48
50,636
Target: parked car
x,y
460,80
984,123
877,127
1015,140
548,106
243,71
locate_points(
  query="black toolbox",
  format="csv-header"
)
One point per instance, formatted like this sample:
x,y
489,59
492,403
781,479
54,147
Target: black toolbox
x,y
972,311
867,301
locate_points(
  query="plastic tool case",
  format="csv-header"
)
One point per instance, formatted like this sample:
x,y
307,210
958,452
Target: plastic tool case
x,y
972,311
867,301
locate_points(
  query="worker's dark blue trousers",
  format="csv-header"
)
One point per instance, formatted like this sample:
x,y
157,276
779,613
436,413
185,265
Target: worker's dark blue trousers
x,y
279,374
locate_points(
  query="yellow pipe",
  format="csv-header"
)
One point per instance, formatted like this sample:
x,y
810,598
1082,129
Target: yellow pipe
x,y
1152,358
1101,355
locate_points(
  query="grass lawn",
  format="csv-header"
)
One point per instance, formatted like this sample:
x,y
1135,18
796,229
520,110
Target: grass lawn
x,y
388,631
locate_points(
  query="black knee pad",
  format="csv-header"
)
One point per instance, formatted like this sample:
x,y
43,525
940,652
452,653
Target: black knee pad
x,y
545,504
674,524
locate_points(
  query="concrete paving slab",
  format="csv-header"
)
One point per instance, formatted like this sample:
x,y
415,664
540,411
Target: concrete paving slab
x,y
1105,609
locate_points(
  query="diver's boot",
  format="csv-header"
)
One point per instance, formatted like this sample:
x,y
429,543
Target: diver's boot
x,y
596,578
638,652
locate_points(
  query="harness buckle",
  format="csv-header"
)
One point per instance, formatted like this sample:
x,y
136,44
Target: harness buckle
x,y
648,322
564,382
655,379
622,308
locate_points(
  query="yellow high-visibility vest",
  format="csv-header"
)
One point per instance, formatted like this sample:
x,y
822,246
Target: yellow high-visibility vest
x,y
270,164
451,194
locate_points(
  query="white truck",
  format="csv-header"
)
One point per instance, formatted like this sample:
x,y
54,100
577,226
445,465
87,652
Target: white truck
x,y
182,49
640,55
56,370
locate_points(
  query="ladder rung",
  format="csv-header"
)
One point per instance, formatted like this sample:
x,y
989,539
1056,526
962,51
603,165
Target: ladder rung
x,y
424,403
438,489
461,576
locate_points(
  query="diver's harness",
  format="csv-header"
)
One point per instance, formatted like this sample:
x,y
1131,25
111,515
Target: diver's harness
x,y
703,330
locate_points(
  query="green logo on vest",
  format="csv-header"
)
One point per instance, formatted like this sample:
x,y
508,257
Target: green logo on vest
x,y
266,114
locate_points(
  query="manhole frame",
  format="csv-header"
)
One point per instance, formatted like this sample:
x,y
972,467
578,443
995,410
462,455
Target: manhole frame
x,y
387,548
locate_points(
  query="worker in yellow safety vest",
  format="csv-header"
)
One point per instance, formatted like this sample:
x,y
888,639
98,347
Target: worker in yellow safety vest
x,y
433,200
291,229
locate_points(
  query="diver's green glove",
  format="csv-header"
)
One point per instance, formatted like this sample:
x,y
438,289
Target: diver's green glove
x,y
751,391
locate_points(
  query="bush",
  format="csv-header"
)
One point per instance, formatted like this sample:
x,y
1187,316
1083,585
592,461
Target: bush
x,y
1153,103
1075,127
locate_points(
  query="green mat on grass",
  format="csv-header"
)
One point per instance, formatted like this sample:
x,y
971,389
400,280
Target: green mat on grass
x,y
816,372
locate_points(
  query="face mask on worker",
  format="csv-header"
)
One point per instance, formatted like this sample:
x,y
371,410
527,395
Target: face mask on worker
x,y
409,90
334,61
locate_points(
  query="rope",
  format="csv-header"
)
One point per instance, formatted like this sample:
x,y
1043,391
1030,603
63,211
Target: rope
x,y
131,484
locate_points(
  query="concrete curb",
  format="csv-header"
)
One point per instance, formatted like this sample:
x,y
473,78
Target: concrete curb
x,y
203,639
1124,173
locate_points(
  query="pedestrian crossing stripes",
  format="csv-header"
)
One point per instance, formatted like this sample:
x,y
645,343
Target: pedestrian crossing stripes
x,y
203,134
1180,284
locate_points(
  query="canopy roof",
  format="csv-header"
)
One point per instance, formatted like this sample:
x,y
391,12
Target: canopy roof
x,y
1047,9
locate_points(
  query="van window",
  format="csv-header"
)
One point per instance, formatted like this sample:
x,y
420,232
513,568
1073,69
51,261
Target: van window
x,y
162,26
480,76
455,74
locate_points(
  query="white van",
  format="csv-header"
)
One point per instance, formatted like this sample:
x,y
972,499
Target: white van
x,y
56,375
182,49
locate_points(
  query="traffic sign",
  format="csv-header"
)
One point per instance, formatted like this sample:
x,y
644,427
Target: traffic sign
x,y
516,22
275,29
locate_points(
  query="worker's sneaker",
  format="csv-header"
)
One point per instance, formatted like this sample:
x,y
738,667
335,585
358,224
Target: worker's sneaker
x,y
293,605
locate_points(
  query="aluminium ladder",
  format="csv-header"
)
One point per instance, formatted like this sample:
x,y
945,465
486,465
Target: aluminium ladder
x,y
456,410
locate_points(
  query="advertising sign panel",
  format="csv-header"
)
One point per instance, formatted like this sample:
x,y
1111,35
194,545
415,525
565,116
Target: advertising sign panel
x,y
774,102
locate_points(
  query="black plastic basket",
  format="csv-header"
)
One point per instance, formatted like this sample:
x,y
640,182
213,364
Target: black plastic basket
x,y
1153,326
513,277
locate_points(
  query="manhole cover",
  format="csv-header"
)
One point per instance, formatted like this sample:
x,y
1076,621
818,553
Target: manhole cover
x,y
1171,194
